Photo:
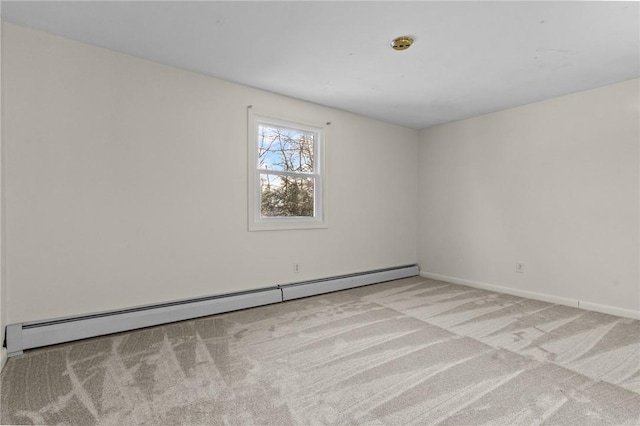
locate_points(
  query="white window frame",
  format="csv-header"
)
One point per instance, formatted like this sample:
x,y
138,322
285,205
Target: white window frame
x,y
256,221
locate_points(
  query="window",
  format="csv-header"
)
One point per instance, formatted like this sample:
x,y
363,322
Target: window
x,y
285,174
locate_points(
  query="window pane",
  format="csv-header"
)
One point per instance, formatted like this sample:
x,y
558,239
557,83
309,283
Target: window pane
x,y
284,196
285,149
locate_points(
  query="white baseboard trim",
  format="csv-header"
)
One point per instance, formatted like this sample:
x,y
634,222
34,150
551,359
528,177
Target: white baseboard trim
x,y
605,309
611,310
3,358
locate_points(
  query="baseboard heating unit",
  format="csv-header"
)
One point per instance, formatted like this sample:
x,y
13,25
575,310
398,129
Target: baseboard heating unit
x,y
29,335
343,282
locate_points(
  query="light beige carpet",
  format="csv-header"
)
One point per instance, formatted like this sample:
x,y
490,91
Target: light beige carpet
x,y
412,351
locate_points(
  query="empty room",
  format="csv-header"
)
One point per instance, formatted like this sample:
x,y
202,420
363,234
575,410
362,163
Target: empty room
x,y
319,212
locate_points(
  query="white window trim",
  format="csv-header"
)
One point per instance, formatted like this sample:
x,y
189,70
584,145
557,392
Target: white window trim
x,y
258,223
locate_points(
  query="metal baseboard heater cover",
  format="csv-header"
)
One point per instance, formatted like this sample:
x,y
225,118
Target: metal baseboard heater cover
x,y
343,282
29,335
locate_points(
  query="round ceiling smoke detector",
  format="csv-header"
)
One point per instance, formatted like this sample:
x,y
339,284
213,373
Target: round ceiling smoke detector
x,y
401,43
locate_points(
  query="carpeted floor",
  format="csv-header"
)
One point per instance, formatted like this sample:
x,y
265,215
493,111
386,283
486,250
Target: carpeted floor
x,y
412,351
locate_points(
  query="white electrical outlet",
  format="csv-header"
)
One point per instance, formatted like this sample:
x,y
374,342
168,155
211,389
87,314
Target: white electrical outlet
x,y
520,267
296,268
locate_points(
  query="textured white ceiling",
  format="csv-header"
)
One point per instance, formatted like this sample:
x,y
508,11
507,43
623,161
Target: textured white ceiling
x,y
469,58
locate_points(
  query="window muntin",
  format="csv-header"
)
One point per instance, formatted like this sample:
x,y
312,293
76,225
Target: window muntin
x,y
286,174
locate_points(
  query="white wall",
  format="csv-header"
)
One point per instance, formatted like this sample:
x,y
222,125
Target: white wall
x,y
3,287
126,184
554,184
